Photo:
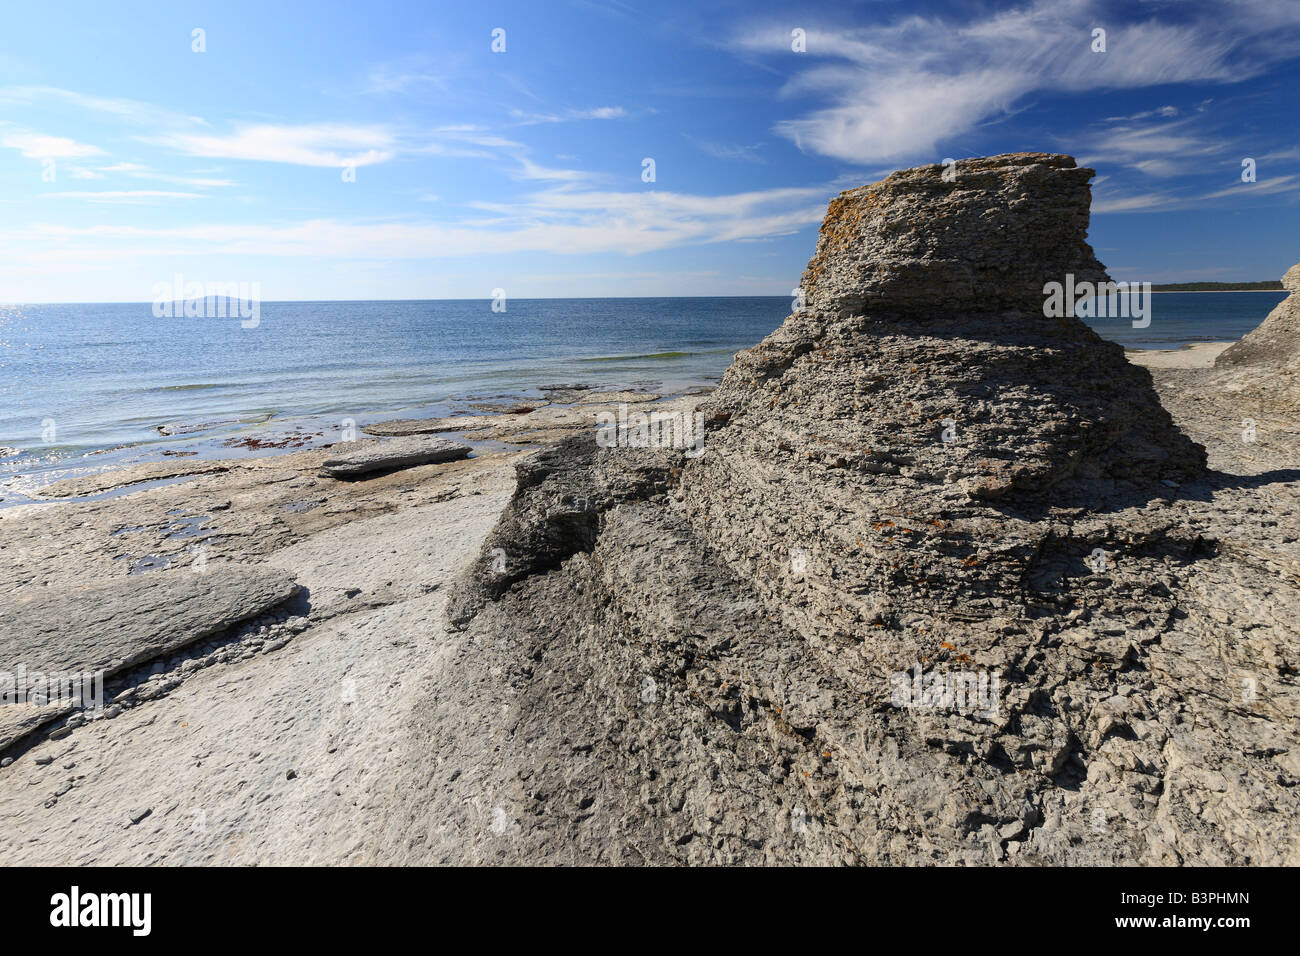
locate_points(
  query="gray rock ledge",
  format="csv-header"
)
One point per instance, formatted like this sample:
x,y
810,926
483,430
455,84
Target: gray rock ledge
x,y
390,455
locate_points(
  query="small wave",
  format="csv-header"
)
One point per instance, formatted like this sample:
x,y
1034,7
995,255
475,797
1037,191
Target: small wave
x,y
191,388
633,358
171,429
42,455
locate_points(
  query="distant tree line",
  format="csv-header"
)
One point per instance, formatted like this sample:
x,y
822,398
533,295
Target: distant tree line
x,y
1272,285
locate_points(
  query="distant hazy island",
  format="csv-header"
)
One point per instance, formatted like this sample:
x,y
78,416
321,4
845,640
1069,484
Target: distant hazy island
x,y
1268,286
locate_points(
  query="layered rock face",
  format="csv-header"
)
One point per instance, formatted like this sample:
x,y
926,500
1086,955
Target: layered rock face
x,y
1264,367
981,237
943,587
881,444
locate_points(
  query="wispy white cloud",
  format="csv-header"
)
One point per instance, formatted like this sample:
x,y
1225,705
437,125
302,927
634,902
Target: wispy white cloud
x,y
133,111
386,79
524,118
1107,202
132,196
1154,147
41,146
1141,202
530,170
138,171
324,144
471,141
1264,187
899,90
319,144
729,151
561,220
467,141
1164,112
1280,155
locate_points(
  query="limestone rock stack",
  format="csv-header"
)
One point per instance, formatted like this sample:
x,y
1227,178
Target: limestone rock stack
x,y
940,588
1264,367
907,434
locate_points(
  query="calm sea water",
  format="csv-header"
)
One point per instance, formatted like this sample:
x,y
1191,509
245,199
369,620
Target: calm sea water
x,y
108,375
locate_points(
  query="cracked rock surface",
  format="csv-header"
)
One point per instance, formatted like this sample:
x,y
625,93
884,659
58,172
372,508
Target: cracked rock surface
x,y
282,623
917,480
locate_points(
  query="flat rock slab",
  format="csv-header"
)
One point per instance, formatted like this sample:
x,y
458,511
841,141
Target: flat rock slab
x,y
133,474
617,398
542,424
111,625
425,426
539,418
19,720
390,455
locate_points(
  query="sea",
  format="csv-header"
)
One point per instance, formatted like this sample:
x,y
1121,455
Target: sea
x,y
85,387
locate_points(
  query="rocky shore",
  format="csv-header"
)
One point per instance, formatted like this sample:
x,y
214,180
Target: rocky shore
x,y
263,628
1262,371
950,582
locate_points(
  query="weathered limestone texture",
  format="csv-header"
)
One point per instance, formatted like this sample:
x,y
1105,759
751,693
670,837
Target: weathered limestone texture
x,y
917,479
1264,367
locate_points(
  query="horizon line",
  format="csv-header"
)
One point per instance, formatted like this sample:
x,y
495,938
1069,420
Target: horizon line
x,y
546,298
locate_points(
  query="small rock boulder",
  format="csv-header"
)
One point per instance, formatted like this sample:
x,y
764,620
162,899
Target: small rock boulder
x,y
391,455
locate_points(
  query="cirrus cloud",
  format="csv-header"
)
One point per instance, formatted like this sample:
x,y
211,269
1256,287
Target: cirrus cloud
x,y
898,90
40,146
323,144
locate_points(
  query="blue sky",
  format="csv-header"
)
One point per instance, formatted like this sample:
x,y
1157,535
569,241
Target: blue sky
x,y
126,157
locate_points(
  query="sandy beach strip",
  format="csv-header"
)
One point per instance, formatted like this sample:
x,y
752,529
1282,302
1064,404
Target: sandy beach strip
x,y
1197,355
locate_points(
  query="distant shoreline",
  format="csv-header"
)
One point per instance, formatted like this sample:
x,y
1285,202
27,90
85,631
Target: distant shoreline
x,y
1266,285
